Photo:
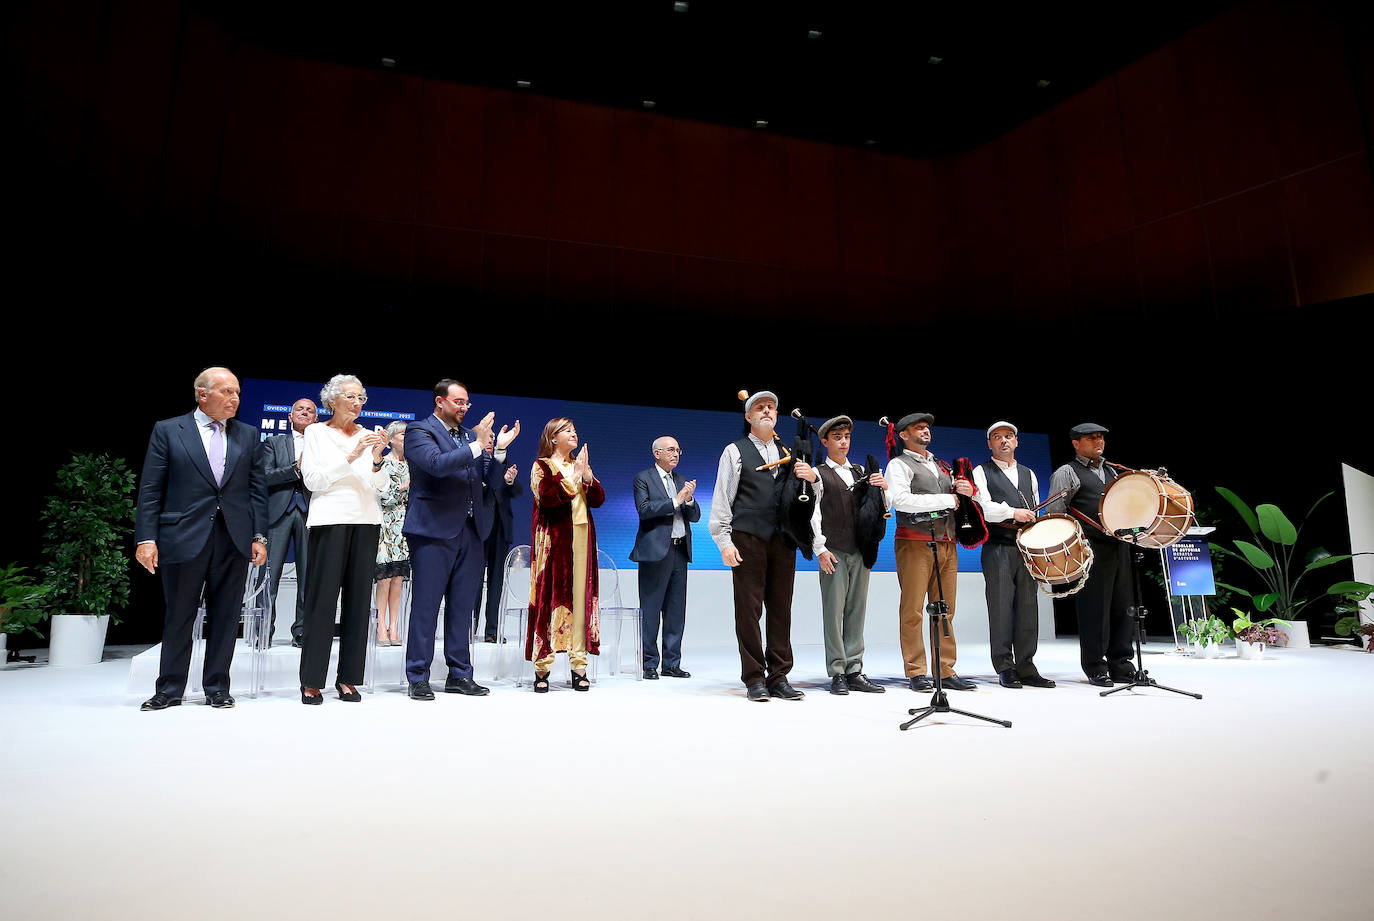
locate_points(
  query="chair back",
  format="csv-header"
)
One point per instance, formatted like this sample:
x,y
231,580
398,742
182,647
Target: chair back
x,y
517,577
609,587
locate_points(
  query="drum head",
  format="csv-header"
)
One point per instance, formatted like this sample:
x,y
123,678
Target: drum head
x,y
1047,532
1131,501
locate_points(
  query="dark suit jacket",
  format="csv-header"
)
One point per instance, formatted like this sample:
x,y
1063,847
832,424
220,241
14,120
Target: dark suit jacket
x,y
279,459
177,495
498,498
445,480
656,516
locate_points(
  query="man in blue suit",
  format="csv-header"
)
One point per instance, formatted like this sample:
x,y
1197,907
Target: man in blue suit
x,y
500,490
447,520
663,550
288,505
202,514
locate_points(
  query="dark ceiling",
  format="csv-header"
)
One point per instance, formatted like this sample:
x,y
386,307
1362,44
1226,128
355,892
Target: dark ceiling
x,y
855,73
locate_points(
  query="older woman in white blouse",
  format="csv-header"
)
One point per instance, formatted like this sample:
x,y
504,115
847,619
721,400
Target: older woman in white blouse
x,y
339,464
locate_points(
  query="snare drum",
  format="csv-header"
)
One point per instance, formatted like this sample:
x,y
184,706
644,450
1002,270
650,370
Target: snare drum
x,y
1054,550
1150,500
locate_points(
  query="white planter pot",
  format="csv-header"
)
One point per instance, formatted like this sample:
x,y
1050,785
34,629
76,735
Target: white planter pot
x,y
1208,650
77,639
1249,650
4,643
1297,635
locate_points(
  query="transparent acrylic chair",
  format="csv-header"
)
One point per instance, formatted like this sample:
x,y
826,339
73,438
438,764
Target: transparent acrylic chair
x,y
256,618
618,623
515,610
371,676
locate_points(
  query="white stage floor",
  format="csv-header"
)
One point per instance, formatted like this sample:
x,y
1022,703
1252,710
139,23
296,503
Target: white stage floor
x,y
677,799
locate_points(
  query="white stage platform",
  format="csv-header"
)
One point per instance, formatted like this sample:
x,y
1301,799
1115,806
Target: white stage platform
x,y
678,799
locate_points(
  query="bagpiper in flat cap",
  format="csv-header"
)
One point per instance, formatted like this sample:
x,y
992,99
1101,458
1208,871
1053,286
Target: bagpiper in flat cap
x,y
761,395
829,424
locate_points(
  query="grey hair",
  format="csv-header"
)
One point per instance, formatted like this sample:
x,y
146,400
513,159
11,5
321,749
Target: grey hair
x,y
203,379
330,392
393,428
658,442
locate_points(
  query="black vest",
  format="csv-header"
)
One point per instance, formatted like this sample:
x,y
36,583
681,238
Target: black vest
x,y
755,509
1089,495
1001,490
837,509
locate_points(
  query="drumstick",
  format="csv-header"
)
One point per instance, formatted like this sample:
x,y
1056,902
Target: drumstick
x,y
1059,495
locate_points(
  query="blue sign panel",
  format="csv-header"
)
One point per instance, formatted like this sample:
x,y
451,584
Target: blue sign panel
x,y
1190,567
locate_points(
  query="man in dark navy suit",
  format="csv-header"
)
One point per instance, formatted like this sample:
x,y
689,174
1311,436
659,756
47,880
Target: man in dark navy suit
x,y
447,520
500,490
288,504
663,550
202,513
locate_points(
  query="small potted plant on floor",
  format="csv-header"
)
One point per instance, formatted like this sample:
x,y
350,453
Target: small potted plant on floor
x,y
1205,634
20,600
1252,636
87,574
1348,614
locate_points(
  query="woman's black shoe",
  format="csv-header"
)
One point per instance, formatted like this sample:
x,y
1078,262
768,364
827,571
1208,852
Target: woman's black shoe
x,y
312,701
352,696
541,683
581,682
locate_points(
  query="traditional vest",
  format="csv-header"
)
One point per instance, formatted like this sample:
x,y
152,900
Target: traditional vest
x,y
922,481
1089,495
755,509
1001,490
837,510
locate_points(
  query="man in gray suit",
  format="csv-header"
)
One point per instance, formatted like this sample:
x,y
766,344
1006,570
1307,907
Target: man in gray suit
x,y
288,502
663,550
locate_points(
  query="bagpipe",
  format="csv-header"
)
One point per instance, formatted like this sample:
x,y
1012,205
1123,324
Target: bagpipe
x,y
870,513
797,499
970,528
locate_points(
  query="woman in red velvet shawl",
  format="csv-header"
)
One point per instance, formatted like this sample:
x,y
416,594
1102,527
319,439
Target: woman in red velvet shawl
x,y
564,610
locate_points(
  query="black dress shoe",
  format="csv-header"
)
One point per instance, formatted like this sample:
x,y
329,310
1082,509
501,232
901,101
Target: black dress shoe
x,y
311,700
781,689
1036,681
920,683
956,683
465,686
352,697
1122,676
1008,679
757,693
1101,681
672,671
489,638
541,683
838,685
420,690
220,700
858,681
651,674
295,643
160,701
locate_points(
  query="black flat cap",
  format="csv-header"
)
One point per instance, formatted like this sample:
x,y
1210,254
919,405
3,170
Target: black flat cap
x,y
1087,428
913,418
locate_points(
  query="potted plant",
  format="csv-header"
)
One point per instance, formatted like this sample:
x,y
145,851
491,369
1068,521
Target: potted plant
x,y
20,599
1348,613
1253,635
1271,557
87,573
1206,634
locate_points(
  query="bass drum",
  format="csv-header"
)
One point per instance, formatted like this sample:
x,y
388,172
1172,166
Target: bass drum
x,y
1148,500
1055,553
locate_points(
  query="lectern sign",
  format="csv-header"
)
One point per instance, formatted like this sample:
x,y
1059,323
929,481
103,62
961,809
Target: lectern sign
x,y
1190,567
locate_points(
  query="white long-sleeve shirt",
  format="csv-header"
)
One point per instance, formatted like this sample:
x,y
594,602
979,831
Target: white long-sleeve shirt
x,y
1001,511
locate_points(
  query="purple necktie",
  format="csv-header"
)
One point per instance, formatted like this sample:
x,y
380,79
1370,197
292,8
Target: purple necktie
x,y
217,452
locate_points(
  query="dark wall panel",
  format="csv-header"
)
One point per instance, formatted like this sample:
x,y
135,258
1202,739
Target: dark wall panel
x,y
518,163
701,190
919,226
646,282
312,167
1034,205
252,132
582,186
380,152
1330,213
1175,272
582,281
862,190
1160,153
1091,165
451,154
1249,247
447,259
758,191
1315,107
643,176
200,107
810,226
1106,285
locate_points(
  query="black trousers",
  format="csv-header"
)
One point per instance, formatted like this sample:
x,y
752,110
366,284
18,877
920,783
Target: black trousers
x,y
1105,631
343,558
495,548
1013,611
220,571
290,528
663,600
764,577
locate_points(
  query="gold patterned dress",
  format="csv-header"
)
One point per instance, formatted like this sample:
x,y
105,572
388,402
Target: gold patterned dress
x,y
564,604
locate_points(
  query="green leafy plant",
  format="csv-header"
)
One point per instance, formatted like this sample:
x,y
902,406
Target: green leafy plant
x,y
85,523
1265,631
1271,557
1202,631
20,600
1348,611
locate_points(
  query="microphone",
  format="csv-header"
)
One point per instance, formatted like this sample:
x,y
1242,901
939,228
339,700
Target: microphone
x,y
1126,532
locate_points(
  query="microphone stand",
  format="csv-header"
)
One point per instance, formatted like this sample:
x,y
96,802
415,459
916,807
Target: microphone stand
x,y
937,612
1137,614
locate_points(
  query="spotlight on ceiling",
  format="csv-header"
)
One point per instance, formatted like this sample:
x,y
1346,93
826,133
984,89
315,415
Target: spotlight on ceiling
x,y
1042,83
813,34
388,62
870,143
933,60
760,123
523,84
649,104
680,6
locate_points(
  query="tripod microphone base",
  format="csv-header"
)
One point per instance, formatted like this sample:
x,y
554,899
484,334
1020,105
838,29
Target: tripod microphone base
x,y
940,704
1143,680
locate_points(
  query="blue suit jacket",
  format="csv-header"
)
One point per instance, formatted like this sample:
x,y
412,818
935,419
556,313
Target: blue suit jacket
x,y
445,481
177,495
656,516
498,500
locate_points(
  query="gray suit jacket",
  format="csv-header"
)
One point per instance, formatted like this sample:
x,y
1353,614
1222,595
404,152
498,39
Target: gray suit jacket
x,y
279,459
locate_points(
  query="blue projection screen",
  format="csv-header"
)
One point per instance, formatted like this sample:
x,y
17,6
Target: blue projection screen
x,y
618,440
